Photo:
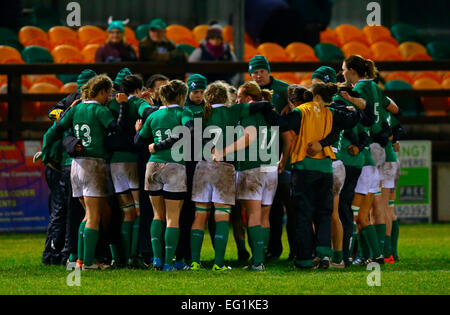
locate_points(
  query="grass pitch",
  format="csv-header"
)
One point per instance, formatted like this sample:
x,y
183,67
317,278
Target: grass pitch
x,y
424,269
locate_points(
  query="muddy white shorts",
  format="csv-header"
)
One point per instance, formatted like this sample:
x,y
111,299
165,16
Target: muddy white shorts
x,y
170,177
378,154
214,182
388,173
257,184
124,176
368,181
89,177
338,177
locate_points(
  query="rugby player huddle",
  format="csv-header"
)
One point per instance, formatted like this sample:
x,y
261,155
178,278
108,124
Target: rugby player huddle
x,y
324,155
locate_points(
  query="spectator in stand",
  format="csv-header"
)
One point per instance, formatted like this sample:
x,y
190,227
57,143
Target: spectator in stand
x,y
115,49
157,47
213,48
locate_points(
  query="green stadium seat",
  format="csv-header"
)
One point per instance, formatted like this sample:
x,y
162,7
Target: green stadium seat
x,y
186,48
67,78
408,105
328,52
439,50
141,31
9,38
405,33
36,54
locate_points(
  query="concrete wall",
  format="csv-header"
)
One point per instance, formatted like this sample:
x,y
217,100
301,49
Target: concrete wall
x,y
443,192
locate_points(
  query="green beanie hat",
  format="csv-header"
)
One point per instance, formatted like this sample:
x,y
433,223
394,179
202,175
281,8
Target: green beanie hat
x,y
84,77
122,74
157,24
258,62
325,74
196,82
116,25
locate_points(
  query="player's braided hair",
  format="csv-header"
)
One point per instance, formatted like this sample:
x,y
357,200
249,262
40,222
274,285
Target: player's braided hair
x,y
215,93
97,84
364,67
173,93
326,91
252,89
298,93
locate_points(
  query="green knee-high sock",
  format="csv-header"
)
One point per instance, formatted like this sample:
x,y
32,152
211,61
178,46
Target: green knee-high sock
x,y
156,231
220,242
255,234
90,242
171,238
394,238
135,237
115,254
126,238
381,235
370,235
197,236
364,249
266,238
352,242
387,247
337,256
81,240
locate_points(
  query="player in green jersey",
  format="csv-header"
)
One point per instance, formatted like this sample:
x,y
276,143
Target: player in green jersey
x,y
153,84
91,121
165,173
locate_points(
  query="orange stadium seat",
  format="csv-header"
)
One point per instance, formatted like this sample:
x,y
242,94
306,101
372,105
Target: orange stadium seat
x,y
430,75
407,49
375,34
130,36
227,34
89,52
383,51
249,52
287,77
301,52
50,79
200,31
41,108
91,35
67,54
420,57
433,106
28,33
175,32
349,33
357,48
69,88
60,35
9,53
329,36
446,86
401,76
273,52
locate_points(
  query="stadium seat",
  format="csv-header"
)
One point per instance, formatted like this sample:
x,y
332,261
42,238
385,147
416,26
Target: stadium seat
x,y
375,34
349,33
50,79
400,76
328,52
41,108
188,49
69,88
67,54
439,50
408,49
249,52
383,51
9,38
130,36
433,106
200,31
301,52
287,77
227,34
405,33
408,105
89,52
357,48
141,31
67,78
9,53
329,36
91,35
446,86
177,32
273,52
45,43
420,57
36,54
430,75
60,35
31,33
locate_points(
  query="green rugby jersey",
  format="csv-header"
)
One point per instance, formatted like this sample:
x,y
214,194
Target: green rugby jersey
x,y
136,108
265,141
159,126
89,121
391,156
197,110
279,96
